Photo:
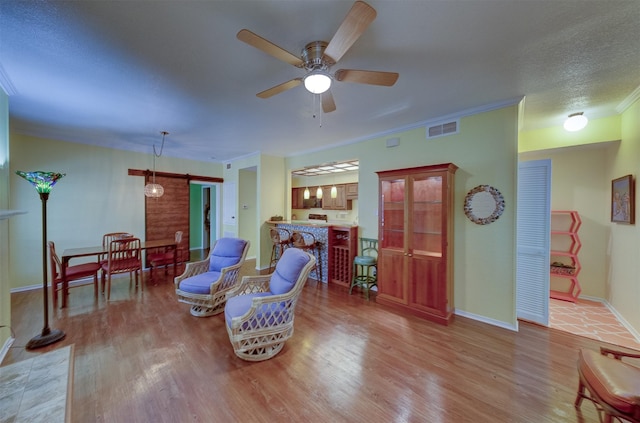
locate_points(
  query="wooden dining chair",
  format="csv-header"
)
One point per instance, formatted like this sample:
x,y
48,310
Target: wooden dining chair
x,y
73,273
124,256
165,258
106,241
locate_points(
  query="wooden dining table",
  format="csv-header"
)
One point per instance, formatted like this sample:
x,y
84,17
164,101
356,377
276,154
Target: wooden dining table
x,y
98,250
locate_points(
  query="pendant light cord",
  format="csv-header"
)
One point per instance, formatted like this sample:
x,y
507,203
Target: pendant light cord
x,y
156,154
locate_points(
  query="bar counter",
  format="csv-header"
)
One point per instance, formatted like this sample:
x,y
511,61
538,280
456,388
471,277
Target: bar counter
x,y
334,238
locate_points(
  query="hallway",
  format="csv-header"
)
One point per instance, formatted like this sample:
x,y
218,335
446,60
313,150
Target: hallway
x,y
591,319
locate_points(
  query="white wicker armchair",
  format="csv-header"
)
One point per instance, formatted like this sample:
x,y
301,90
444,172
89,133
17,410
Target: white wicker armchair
x,y
259,313
204,283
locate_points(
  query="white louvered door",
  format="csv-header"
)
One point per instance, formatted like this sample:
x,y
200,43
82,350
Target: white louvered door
x,y
532,242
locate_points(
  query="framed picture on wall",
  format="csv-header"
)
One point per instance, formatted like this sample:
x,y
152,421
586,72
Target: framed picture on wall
x,y
623,200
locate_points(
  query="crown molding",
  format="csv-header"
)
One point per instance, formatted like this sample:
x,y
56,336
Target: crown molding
x,y
631,98
5,83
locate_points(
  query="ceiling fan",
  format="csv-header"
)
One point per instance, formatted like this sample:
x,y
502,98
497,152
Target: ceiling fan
x,y
318,57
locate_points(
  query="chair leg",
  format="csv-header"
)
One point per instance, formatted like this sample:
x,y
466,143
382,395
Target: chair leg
x,y
54,293
95,285
108,287
318,264
580,395
354,278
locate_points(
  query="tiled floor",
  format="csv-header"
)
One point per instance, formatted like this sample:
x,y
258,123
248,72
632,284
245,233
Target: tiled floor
x,y
591,319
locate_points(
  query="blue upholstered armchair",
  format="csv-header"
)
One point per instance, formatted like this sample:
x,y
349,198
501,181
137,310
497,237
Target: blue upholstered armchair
x,y
260,309
204,283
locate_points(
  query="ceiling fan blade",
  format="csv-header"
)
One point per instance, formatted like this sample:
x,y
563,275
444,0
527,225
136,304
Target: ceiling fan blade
x,y
355,23
386,79
328,105
268,47
280,88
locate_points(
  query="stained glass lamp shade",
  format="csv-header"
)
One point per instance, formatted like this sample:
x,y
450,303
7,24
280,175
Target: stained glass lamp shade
x,y
42,181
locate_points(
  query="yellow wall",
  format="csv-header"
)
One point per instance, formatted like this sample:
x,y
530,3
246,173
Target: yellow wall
x,y
5,285
271,188
95,197
248,208
485,151
583,165
623,269
597,131
579,181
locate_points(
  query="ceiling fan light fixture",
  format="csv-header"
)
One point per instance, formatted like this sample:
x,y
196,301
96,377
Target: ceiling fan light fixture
x,y
575,122
317,82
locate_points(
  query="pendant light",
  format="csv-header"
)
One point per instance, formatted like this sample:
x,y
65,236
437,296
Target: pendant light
x,y
154,190
334,190
319,193
306,194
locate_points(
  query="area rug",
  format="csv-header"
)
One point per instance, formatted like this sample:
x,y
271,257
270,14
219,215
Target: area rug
x,y
38,389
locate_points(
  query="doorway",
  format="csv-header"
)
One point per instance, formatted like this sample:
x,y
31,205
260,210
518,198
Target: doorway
x,y
203,217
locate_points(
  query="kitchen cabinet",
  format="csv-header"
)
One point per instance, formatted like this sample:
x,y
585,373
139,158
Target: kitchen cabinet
x,y
415,237
297,198
338,203
352,191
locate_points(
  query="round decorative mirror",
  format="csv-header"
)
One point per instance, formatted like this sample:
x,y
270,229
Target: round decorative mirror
x,y
483,205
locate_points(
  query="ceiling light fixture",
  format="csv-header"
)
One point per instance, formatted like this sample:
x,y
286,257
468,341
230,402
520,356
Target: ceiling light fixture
x,y
319,193
317,81
154,190
575,122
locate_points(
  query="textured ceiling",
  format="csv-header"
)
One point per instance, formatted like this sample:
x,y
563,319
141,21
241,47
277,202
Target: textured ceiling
x,y
116,73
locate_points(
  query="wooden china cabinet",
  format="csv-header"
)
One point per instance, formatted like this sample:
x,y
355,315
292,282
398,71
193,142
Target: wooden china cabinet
x,y
415,241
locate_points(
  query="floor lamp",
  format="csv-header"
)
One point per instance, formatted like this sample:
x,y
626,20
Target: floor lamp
x,y
43,182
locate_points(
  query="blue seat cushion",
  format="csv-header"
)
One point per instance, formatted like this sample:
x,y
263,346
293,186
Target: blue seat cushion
x,y
365,260
287,270
199,284
238,306
226,252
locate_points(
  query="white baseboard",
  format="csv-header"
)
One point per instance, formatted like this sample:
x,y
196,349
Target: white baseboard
x,y
5,348
487,320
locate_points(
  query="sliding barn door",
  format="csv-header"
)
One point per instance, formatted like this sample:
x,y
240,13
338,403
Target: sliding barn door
x,y
168,214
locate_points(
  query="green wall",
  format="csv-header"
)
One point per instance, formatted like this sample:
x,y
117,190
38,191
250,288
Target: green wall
x,y
195,217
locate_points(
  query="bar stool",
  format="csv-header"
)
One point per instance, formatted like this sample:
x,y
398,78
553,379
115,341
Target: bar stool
x,y
364,264
307,241
281,239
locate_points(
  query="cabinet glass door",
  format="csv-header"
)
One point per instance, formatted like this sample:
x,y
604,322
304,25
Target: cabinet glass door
x,y
426,216
392,224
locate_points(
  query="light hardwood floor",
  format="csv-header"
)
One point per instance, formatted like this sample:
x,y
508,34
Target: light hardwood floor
x,y
143,358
